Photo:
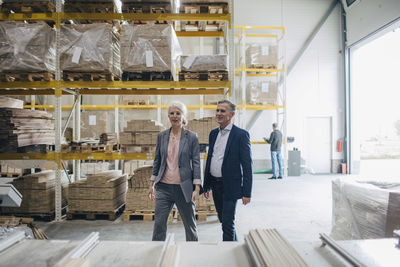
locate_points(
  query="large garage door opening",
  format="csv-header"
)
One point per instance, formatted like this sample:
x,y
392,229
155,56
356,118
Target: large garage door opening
x,y
375,83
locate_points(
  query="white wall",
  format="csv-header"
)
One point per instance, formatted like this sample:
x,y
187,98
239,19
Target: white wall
x,y
366,16
315,86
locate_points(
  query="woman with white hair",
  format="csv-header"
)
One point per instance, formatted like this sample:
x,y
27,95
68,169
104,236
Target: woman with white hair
x,y
176,174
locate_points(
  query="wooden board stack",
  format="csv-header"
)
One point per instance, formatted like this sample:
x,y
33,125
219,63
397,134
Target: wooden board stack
x,y
89,168
137,198
21,128
140,136
131,165
38,194
102,192
269,248
203,128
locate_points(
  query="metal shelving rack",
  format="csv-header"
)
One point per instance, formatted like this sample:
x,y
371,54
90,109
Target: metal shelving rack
x,y
58,88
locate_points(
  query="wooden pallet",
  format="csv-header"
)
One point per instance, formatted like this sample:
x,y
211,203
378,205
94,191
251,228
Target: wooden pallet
x,y
211,8
95,215
90,148
204,76
149,7
89,76
28,7
147,76
262,66
137,149
27,76
201,216
142,215
10,175
37,216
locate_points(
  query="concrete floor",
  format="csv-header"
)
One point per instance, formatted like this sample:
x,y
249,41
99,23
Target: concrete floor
x,y
300,207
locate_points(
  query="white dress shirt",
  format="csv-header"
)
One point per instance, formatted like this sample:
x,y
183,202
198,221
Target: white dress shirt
x,y
219,151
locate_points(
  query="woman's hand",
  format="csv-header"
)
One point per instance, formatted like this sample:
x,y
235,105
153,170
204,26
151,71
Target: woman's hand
x,y
195,194
151,192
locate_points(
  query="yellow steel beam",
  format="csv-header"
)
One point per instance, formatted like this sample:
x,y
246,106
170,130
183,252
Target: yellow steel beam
x,y
258,142
262,107
19,85
260,35
152,92
200,34
258,74
259,70
29,16
145,84
28,156
261,28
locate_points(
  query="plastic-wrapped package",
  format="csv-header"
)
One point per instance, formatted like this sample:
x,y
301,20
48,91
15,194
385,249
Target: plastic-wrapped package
x,y
364,210
90,48
262,93
149,48
26,47
204,63
261,56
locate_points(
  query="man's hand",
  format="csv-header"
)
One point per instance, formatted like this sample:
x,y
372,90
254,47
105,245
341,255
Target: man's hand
x,y
151,192
206,195
245,200
195,194
265,139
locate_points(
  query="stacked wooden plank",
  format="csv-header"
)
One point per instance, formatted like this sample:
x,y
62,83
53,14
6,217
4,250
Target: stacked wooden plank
x,y
262,93
26,51
90,52
203,128
148,52
7,102
139,136
22,128
38,194
268,247
102,193
137,198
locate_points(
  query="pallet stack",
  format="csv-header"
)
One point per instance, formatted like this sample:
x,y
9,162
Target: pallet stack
x,y
28,6
109,139
140,136
90,168
204,68
201,7
99,195
38,195
26,52
10,172
90,6
130,166
146,6
137,198
25,130
262,93
203,128
148,52
262,56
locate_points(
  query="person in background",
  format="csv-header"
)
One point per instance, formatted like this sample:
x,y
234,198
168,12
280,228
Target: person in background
x,y
275,139
228,171
176,174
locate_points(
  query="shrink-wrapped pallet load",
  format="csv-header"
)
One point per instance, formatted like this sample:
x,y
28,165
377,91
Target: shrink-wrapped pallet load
x,y
149,48
38,193
262,93
90,48
199,63
26,47
261,56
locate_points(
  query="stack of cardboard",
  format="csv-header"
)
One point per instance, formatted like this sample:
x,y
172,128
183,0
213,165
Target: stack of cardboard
x,y
137,197
205,205
131,165
38,193
94,123
102,192
88,168
149,48
90,48
21,128
203,128
26,47
262,93
140,136
109,138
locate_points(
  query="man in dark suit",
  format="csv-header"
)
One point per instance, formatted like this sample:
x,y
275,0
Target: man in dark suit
x,y
228,170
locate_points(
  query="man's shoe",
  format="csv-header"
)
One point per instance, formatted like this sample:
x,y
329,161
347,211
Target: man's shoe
x,y
270,178
280,177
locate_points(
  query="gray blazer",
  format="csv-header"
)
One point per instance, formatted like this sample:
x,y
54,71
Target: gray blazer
x,y
189,160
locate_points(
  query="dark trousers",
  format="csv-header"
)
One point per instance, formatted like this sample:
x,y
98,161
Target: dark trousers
x,y
166,196
226,209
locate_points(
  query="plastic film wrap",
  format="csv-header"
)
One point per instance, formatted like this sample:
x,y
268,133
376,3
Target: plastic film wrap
x,y
204,63
149,47
261,56
26,47
90,48
364,210
262,93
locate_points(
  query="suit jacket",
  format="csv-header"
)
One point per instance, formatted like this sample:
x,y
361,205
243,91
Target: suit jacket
x,y
237,173
188,160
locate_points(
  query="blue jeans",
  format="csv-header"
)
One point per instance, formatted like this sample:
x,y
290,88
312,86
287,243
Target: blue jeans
x,y
276,155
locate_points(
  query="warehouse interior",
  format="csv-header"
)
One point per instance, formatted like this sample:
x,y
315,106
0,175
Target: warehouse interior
x,y
85,89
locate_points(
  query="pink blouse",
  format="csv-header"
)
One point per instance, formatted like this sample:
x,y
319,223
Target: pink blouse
x,y
171,173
